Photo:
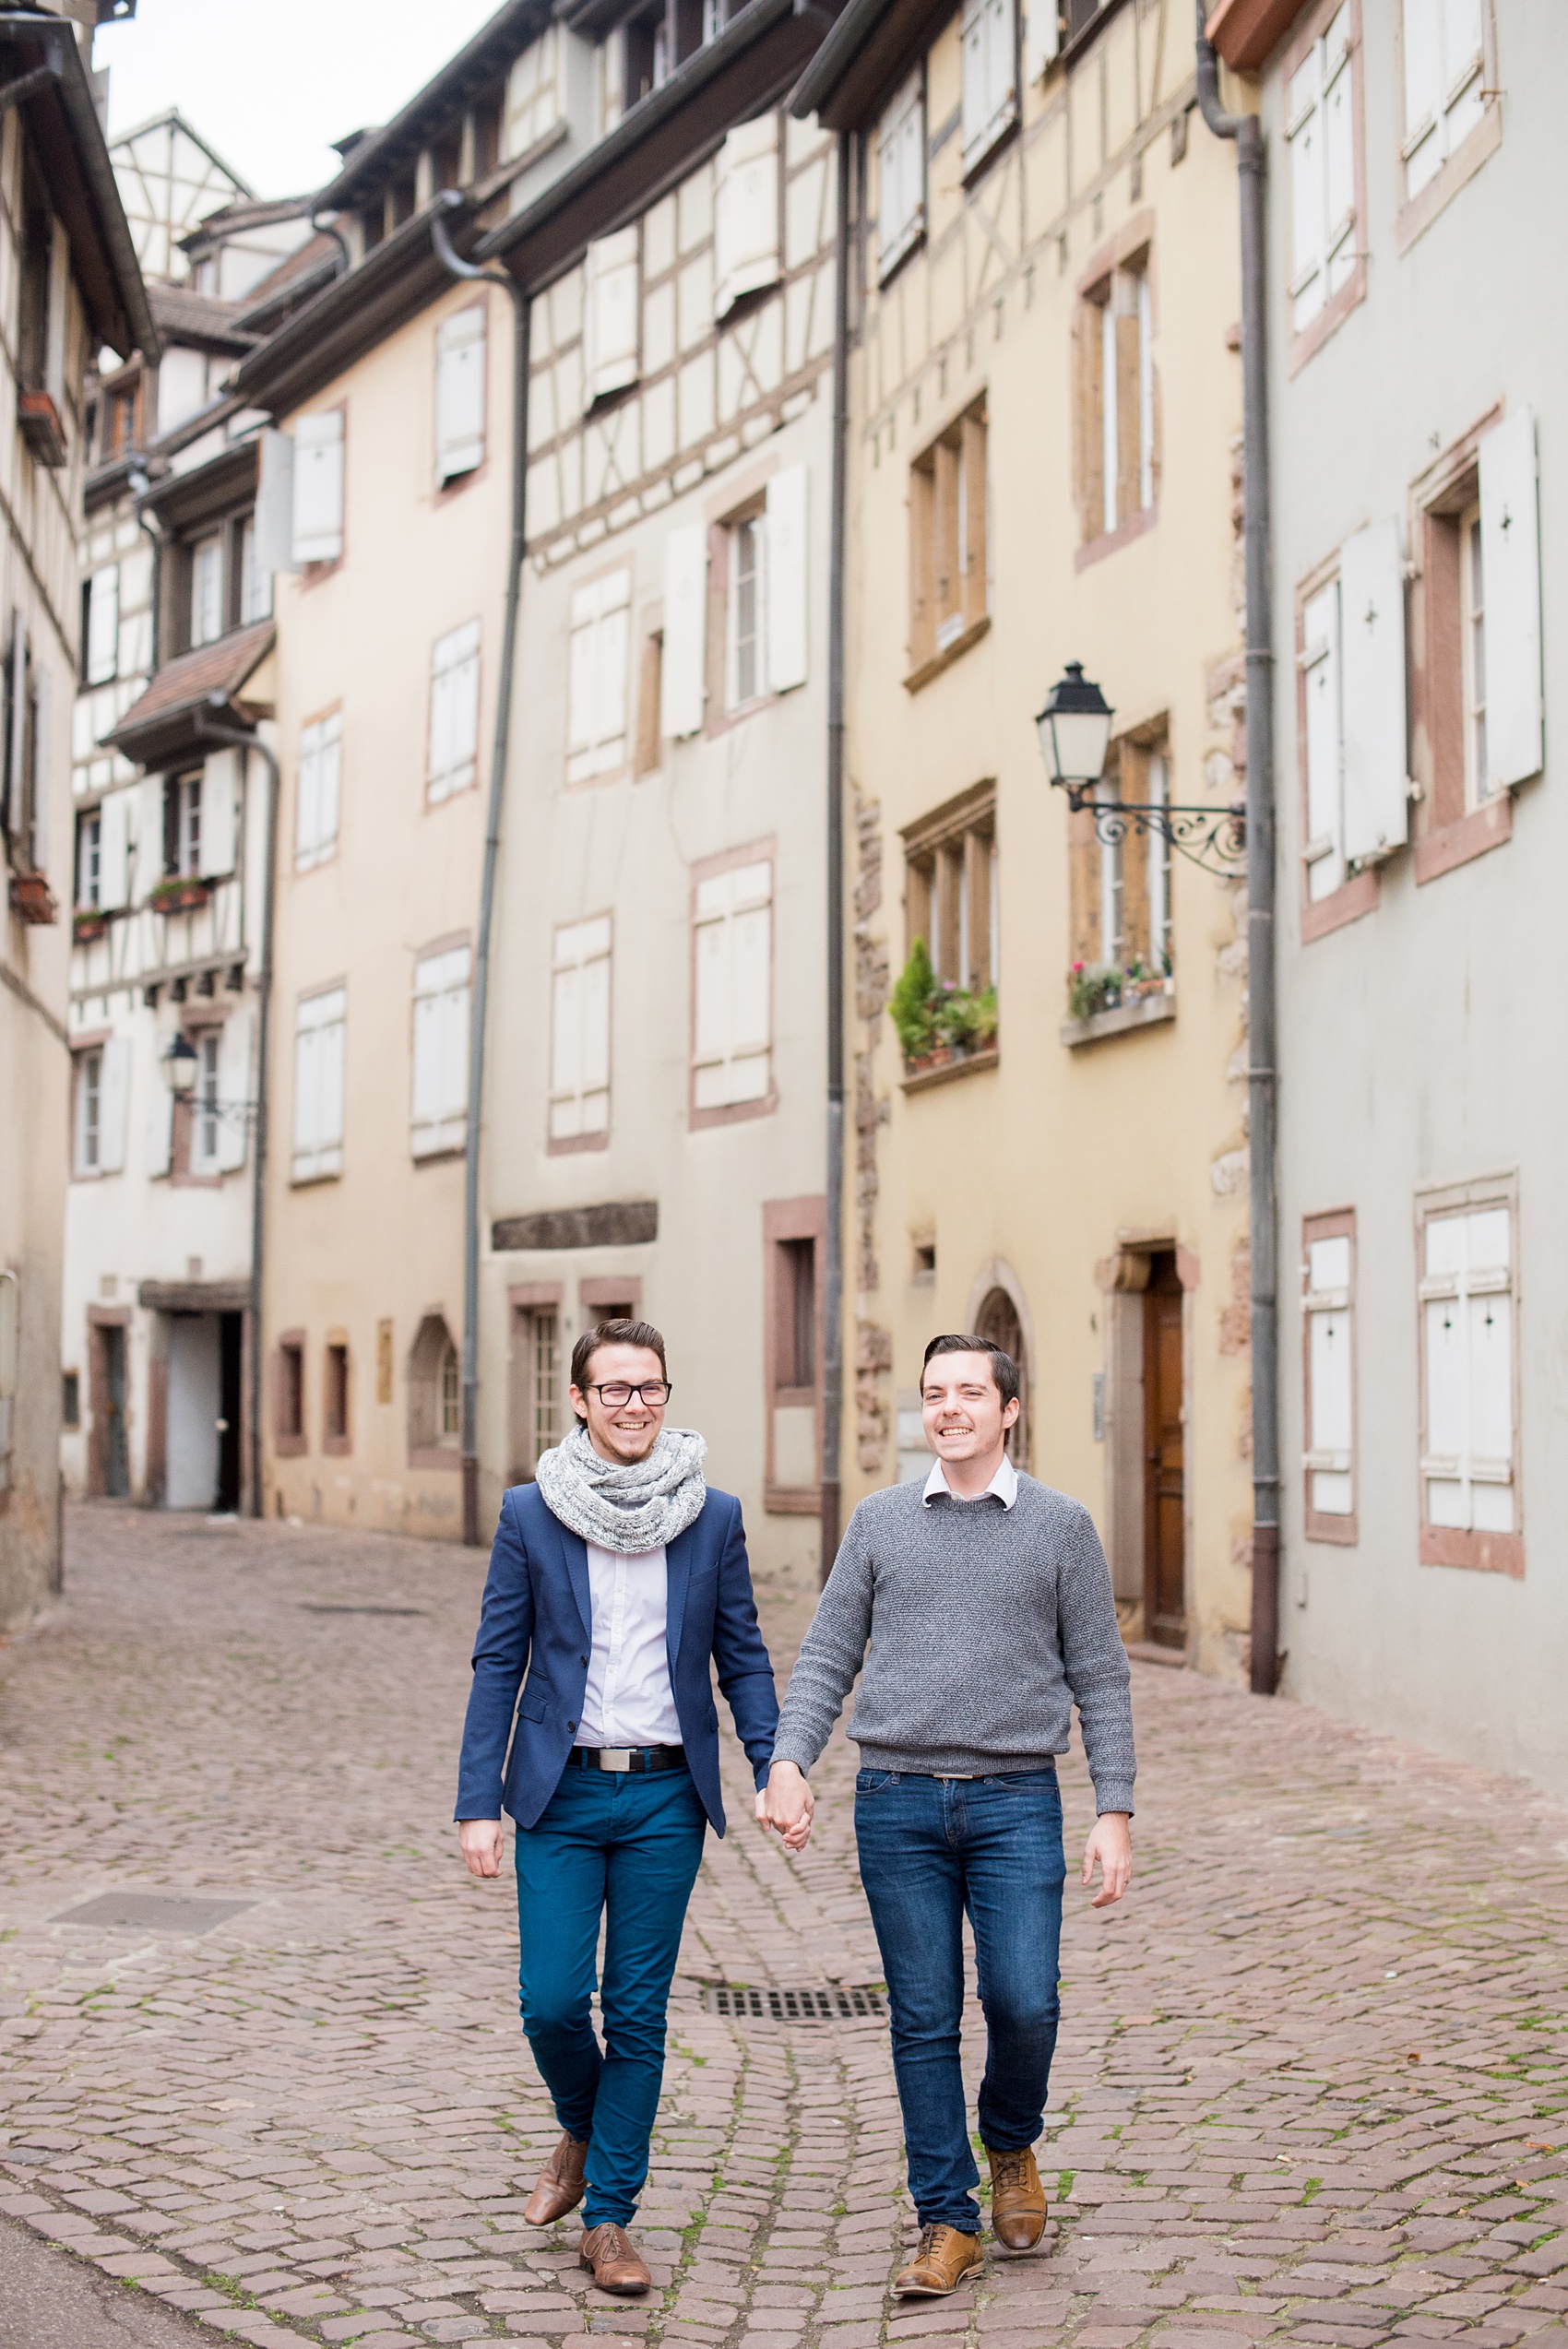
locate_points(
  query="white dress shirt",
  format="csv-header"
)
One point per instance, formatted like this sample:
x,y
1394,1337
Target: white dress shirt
x,y
1004,1484
629,1700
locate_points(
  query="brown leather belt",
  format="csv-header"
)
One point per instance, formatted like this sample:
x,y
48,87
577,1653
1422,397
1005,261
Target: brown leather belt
x,y
636,1759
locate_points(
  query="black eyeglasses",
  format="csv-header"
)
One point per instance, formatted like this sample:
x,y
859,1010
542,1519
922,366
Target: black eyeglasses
x,y
654,1393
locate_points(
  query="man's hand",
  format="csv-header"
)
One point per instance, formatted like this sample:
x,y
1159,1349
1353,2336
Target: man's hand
x,y
1112,1844
787,1805
481,1843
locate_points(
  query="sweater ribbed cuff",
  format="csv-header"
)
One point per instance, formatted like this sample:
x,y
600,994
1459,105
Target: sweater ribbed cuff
x,y
1113,1794
788,1749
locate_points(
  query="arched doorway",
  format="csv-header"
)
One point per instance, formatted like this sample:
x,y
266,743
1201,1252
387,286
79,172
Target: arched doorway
x,y
998,1319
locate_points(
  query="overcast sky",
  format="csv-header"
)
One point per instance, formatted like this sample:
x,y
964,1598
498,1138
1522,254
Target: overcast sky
x,y
270,83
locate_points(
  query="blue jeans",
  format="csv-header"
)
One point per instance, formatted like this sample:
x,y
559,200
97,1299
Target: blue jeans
x,y
630,1847
931,1849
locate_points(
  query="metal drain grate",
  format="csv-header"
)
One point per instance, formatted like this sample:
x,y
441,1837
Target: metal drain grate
x,y
838,2003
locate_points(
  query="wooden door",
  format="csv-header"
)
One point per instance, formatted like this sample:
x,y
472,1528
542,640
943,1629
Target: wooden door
x,y
1165,1511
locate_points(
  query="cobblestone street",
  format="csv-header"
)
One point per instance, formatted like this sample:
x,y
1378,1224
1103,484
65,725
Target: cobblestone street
x,y
1313,2082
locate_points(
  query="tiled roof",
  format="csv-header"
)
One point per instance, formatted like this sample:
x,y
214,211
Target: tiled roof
x,y
164,716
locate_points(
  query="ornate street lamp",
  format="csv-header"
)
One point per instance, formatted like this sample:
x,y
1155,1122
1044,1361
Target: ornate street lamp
x,y
180,1064
1074,737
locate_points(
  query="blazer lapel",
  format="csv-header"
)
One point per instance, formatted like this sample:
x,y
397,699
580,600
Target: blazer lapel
x,y
678,1570
574,1550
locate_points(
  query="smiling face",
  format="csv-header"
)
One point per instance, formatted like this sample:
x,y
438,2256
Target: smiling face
x,y
961,1407
620,1431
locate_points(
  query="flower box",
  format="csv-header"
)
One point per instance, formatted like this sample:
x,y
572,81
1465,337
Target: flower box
x,y
40,427
179,897
86,927
32,900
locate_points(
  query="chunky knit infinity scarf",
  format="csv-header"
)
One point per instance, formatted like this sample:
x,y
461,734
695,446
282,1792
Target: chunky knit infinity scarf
x,y
631,1506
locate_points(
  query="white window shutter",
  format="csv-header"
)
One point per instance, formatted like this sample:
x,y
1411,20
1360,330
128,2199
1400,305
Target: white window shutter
x,y
149,860
307,796
427,1070
1308,198
219,813
454,711
745,213
614,307
566,1053
1422,40
275,503
234,1090
160,1124
455,1054
579,1060
613,645
734,987
333,1037
103,625
460,393
113,1104
594,1068
318,1085
1372,625
786,578
329,770
1511,577
114,852
319,487
681,674
581,675
441,1051
1042,37
973,37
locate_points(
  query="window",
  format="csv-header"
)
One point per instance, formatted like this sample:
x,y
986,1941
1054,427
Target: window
x,y
1328,1305
436,1396
319,781
613,296
89,861
1120,884
255,582
950,889
990,77
948,529
600,644
441,1052
1472,653
1117,439
182,828
90,1108
101,626
646,57
650,713
454,712
536,97
1320,133
289,1397
319,1038
745,213
766,599
459,393
101,1083
206,590
1353,719
1468,1297
900,165
318,488
451,1394
731,1062
70,1390
335,1398
1157,852
206,1126
747,642
536,1382
1446,94
793,1237
579,1033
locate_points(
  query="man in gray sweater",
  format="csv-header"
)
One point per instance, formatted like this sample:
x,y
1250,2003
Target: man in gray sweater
x,y
987,1605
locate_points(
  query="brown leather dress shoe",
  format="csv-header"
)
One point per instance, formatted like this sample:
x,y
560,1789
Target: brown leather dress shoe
x,y
1017,2198
613,2259
940,2265
560,2186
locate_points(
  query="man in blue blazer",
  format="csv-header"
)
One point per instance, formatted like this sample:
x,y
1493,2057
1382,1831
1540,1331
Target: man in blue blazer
x,y
616,1582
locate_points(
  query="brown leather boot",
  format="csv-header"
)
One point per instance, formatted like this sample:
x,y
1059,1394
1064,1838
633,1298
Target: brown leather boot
x,y
560,2186
940,2265
1017,2198
613,2259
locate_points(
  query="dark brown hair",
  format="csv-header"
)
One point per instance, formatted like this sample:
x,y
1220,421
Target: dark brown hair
x,y
1003,1369
614,1334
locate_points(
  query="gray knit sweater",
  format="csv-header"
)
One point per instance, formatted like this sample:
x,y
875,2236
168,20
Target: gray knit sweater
x,y
985,1624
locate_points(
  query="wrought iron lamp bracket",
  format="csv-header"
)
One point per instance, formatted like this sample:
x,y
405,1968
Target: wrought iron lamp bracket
x,y
1213,838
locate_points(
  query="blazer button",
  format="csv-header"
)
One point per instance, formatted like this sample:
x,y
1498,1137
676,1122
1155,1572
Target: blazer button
x,y
570,1724
582,1659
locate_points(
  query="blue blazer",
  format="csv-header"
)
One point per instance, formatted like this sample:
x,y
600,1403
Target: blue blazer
x,y
537,1616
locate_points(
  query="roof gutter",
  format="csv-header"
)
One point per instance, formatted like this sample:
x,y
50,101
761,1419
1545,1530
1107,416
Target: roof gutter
x,y
850,30
1263,1082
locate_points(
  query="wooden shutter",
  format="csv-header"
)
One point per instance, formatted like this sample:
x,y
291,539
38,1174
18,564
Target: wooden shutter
x,y
318,1085
275,503
988,66
745,213
114,852
682,681
329,769
441,1052
148,796
972,546
1325,846
1511,585
579,1075
901,174
114,1103
103,625
1042,36
454,711
460,393
1467,1317
1338,139
788,579
734,983
219,813
973,39
1305,135
319,487
614,306
1129,402
233,1089
1371,627
1422,42
599,648
1328,1463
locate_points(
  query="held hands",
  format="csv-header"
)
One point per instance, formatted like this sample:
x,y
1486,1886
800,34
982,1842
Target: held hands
x,y
787,1804
479,1842
1112,1844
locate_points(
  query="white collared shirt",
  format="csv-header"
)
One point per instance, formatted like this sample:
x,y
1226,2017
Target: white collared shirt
x,y
629,1700
1004,1484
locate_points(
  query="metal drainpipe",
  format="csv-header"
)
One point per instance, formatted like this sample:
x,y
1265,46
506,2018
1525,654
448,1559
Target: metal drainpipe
x,y
1263,1082
833,1275
516,549
239,740
340,240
